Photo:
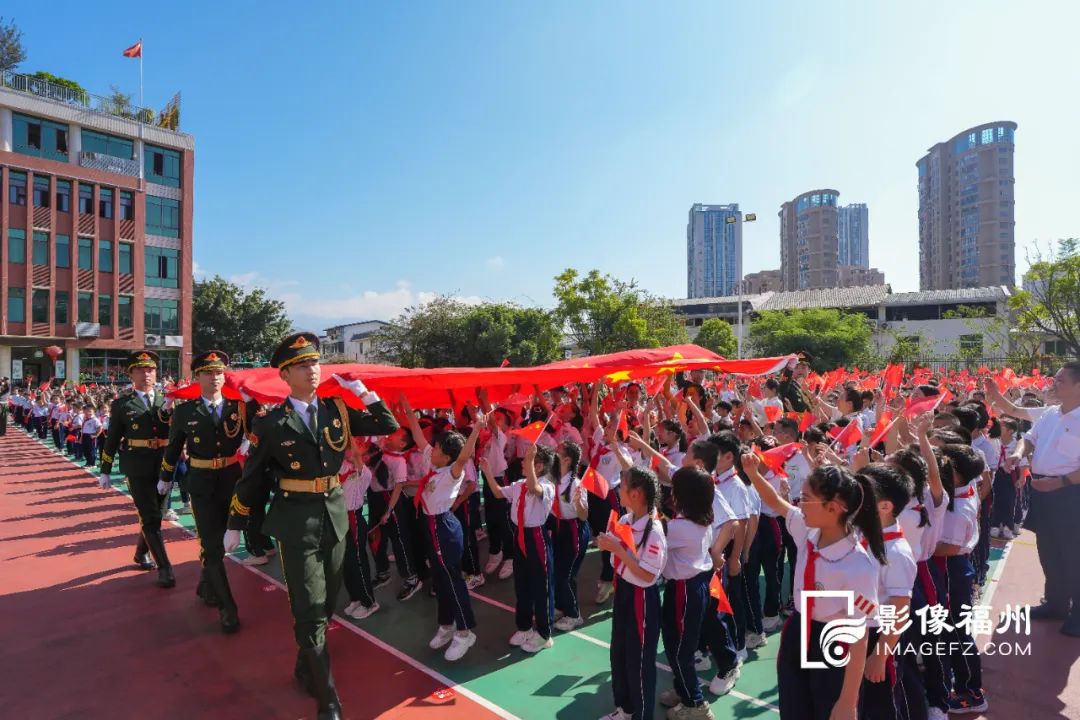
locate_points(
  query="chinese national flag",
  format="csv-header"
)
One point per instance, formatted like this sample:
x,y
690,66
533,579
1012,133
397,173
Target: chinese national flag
x,y
532,431
881,430
624,533
505,363
134,51
772,413
846,436
775,458
929,404
595,483
806,421
716,589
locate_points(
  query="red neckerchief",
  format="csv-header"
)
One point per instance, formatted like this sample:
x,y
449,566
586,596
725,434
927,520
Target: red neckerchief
x,y
810,583
891,535
970,492
720,479
419,501
521,517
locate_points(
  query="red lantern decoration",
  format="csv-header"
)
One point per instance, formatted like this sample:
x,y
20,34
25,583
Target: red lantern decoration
x,y
53,352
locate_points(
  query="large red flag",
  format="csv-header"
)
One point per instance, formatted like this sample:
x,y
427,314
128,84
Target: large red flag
x,y
134,51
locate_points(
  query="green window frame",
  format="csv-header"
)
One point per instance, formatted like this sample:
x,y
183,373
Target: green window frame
x,y
105,259
86,307
86,253
161,317
63,251
162,267
16,187
105,203
104,310
39,137
162,216
126,261
127,205
42,191
63,196
61,313
41,248
17,246
86,199
124,316
96,142
39,305
162,166
16,304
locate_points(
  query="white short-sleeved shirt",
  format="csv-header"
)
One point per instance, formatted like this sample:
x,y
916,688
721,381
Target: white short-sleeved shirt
x,y
932,533
568,509
797,469
568,433
897,576
91,426
607,463
909,520
844,565
356,486
397,469
762,508
960,526
441,488
537,507
651,556
687,549
673,455
77,422
734,491
754,500
1056,437
495,452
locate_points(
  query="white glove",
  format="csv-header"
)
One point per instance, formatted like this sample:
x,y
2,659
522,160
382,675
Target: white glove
x,y
357,388
163,487
232,540
245,397
245,446
105,481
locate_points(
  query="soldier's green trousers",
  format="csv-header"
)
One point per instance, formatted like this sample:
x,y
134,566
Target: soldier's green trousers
x,y
313,570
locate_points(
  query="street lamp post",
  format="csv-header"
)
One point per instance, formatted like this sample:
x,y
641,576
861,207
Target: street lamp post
x,y
731,219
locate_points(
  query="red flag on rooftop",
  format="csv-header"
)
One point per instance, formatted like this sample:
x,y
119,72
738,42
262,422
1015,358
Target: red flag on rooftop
x,y
134,51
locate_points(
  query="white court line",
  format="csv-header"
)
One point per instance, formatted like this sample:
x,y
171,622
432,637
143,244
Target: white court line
x,y
502,606
407,659
992,586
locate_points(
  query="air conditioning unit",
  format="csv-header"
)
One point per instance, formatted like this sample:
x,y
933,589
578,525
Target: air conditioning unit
x,y
152,341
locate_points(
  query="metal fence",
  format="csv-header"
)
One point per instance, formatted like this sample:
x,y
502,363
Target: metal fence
x,y
42,88
1046,364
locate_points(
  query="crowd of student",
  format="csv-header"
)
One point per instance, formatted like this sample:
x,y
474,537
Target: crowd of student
x,y
702,484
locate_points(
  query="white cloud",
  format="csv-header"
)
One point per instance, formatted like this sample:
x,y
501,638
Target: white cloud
x,y
196,271
495,263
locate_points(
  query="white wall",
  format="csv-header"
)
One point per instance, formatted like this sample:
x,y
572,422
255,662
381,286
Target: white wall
x,y
940,338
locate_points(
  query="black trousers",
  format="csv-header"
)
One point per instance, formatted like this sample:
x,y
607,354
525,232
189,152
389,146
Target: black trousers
x,y
497,519
210,510
396,533
1004,498
255,541
357,566
805,694
1057,536
143,489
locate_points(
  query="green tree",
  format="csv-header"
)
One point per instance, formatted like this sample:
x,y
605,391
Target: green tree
x,y
716,335
602,314
11,47
1050,302
226,317
834,338
449,333
78,90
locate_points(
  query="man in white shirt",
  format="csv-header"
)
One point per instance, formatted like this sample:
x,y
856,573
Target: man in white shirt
x,y
1053,444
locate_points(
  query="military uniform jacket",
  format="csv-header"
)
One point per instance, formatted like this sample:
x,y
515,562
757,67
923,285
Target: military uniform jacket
x,y
282,446
194,424
130,419
792,392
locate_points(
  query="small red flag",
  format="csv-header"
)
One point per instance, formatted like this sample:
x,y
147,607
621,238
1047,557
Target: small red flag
x,y
846,436
595,483
374,539
505,362
772,412
532,431
775,458
134,51
929,404
806,421
881,430
716,589
624,533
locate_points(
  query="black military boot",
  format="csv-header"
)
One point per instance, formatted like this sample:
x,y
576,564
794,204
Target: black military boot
x,y
219,586
142,555
302,673
205,592
329,706
156,544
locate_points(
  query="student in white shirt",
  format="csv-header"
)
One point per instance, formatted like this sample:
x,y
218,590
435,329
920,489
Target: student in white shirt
x,y
356,478
608,455
91,428
570,534
396,514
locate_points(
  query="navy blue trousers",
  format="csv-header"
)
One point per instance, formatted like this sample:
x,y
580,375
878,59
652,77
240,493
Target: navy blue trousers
x,y
635,633
571,542
805,694
534,581
445,547
685,604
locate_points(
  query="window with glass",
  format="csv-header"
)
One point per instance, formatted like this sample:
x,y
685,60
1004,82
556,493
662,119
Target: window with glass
x,y
96,142
40,138
971,344
63,196
162,216
41,248
162,267
103,366
39,306
161,317
104,310
61,307
105,261
125,258
16,246
86,199
124,316
105,203
41,191
162,166
63,251
86,307
127,206
16,188
16,305
86,254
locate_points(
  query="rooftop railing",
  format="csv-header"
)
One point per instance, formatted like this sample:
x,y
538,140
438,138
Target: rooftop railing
x,y
116,105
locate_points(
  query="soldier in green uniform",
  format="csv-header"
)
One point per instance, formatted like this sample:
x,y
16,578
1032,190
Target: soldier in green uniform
x,y
213,429
794,396
298,448
141,420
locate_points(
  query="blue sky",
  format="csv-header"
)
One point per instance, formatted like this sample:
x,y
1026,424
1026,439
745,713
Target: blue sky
x,y
354,158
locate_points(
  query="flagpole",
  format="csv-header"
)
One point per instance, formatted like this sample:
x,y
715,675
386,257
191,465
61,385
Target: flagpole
x,y
142,145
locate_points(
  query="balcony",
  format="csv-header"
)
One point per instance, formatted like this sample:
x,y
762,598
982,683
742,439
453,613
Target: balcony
x,y
109,163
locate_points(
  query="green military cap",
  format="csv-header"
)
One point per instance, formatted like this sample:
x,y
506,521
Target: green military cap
x,y
142,359
805,358
296,348
211,360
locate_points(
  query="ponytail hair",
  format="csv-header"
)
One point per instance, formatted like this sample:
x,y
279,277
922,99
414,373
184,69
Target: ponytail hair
x,y
673,426
911,461
856,493
865,517
644,479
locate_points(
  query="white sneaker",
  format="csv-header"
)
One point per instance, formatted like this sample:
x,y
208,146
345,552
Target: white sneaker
x,y
253,560
359,612
937,714
742,655
474,581
493,563
1007,533
770,624
536,643
506,570
444,635
567,623
617,714
604,591
723,684
459,646
995,532
755,641
518,639
702,661
170,515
